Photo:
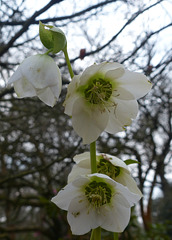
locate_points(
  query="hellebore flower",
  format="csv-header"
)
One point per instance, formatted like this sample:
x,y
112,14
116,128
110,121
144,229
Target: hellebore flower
x,y
104,97
38,76
96,200
107,164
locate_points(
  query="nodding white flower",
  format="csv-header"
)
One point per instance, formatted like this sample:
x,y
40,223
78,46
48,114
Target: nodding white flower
x,y
38,76
107,164
104,97
96,200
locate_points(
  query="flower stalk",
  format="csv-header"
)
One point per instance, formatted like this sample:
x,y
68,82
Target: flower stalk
x,y
115,236
47,52
96,234
93,157
68,62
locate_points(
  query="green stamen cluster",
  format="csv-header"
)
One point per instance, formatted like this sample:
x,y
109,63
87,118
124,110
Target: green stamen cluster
x,y
98,91
98,193
106,167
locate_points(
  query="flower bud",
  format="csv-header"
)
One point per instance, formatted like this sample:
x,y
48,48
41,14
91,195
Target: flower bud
x,y
52,37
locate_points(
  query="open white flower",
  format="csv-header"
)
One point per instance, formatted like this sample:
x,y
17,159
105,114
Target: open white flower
x,y
107,164
104,97
96,200
38,76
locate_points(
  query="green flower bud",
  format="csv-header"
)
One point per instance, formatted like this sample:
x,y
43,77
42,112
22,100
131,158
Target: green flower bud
x,y
52,37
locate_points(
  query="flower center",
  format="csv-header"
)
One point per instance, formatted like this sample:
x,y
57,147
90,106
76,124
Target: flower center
x,y
106,167
98,193
98,91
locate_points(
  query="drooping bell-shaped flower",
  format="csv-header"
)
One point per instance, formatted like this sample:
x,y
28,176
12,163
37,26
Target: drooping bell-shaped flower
x,y
107,164
39,76
104,98
94,201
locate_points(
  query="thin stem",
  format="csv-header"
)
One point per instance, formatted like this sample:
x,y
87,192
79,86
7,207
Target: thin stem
x,y
96,234
115,236
93,157
68,62
92,235
50,50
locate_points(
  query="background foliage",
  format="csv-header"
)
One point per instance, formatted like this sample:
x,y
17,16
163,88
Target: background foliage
x,y
37,143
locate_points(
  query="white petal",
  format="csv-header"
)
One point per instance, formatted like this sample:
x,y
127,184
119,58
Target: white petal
x,y
41,71
23,88
101,69
126,110
127,180
77,171
115,217
136,83
73,85
130,198
117,213
81,217
16,76
81,181
79,157
90,71
85,164
115,73
113,125
122,199
122,93
108,66
103,176
65,196
71,95
116,161
56,90
88,122
46,96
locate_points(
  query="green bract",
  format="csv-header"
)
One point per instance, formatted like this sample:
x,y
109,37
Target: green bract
x,y
52,37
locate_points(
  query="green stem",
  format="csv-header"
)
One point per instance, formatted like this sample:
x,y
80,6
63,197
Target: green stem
x,y
96,234
92,235
50,50
93,157
115,236
68,62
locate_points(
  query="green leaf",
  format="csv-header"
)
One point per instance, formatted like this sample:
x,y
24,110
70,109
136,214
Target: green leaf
x,y
130,161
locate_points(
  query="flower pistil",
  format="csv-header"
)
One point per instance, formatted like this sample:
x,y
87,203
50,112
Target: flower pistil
x,y
106,167
97,91
98,193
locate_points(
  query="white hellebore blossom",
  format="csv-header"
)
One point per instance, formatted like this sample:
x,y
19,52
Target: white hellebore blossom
x,y
104,97
96,200
107,164
38,75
